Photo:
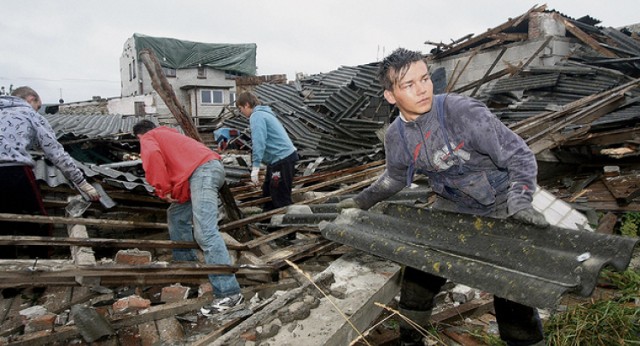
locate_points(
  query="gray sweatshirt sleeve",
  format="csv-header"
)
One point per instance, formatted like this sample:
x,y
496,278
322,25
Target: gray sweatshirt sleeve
x,y
53,150
488,135
394,177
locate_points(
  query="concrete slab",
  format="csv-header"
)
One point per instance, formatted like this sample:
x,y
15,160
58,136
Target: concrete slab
x,y
365,279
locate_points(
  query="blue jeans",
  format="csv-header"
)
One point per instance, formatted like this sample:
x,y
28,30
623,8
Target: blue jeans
x,y
201,212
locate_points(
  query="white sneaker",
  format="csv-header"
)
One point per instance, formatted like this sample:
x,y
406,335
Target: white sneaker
x,y
222,304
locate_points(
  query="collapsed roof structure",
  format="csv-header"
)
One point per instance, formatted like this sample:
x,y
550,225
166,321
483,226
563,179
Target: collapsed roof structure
x,y
569,87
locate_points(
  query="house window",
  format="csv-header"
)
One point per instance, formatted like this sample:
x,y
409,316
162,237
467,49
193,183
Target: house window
x,y
138,107
169,72
130,73
202,73
232,98
133,69
211,96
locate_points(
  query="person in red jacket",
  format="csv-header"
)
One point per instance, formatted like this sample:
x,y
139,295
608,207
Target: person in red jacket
x,y
187,174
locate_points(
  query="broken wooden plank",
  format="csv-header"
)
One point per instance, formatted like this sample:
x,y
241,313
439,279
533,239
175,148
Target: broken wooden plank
x,y
584,37
82,255
483,79
269,237
319,199
476,40
15,276
105,242
327,181
80,221
607,223
457,313
551,136
624,188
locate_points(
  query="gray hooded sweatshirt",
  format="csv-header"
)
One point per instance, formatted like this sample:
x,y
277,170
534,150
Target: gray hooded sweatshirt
x,y
486,169
21,129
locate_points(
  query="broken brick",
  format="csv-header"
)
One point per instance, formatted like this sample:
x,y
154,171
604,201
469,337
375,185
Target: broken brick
x,y
41,322
131,303
174,293
133,257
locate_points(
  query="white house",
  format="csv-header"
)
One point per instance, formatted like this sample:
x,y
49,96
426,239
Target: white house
x,y
202,74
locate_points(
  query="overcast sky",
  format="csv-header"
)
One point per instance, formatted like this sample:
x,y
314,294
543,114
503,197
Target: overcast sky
x,y
71,48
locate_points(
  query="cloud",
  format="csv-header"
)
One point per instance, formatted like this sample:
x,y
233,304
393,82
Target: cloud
x,y
73,47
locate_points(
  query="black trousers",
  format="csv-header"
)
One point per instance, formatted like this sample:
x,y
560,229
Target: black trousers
x,y
21,195
278,182
518,324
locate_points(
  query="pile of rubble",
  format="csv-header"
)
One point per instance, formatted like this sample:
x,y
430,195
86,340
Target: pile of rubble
x,y
571,89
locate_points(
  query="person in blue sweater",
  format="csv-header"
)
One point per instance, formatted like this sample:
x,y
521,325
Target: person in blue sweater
x,y
271,146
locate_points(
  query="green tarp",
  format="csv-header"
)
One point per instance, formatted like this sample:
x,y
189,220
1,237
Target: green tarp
x,y
178,54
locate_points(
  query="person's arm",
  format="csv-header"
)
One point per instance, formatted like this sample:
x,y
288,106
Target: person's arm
x,y
54,152
258,138
508,151
394,177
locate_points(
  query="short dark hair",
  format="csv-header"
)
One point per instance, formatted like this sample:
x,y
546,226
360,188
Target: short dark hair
x,y
143,126
247,98
24,91
395,66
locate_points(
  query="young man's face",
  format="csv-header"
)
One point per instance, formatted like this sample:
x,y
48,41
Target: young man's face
x,y
413,93
245,110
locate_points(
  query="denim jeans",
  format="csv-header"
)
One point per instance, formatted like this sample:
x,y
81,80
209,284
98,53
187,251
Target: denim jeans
x,y
198,219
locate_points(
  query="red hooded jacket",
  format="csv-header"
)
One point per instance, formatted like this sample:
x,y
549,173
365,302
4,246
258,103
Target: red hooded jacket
x,y
169,158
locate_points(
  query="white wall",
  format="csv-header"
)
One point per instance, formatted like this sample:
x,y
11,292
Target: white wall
x,y
516,54
541,26
126,105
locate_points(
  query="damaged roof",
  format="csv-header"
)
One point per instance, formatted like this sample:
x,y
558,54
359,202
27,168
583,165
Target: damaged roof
x,y
180,54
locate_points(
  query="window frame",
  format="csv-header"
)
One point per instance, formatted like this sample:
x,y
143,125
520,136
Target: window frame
x,y
202,72
211,93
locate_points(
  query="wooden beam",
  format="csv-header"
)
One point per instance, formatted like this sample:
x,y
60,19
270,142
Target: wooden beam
x,y
82,255
36,274
162,86
486,74
259,217
586,38
476,40
104,242
341,179
80,221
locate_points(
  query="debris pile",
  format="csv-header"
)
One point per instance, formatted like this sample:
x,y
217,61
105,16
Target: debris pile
x,y
573,95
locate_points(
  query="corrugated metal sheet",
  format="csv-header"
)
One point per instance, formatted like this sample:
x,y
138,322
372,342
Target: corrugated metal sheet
x,y
94,126
525,83
529,265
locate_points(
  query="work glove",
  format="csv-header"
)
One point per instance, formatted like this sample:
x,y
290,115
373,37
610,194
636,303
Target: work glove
x,y
255,178
347,203
532,217
89,191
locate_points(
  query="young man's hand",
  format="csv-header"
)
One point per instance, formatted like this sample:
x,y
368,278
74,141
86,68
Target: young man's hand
x,y
89,191
347,203
169,198
255,177
532,217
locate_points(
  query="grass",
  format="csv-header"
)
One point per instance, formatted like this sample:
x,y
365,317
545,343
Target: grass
x,y
613,321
